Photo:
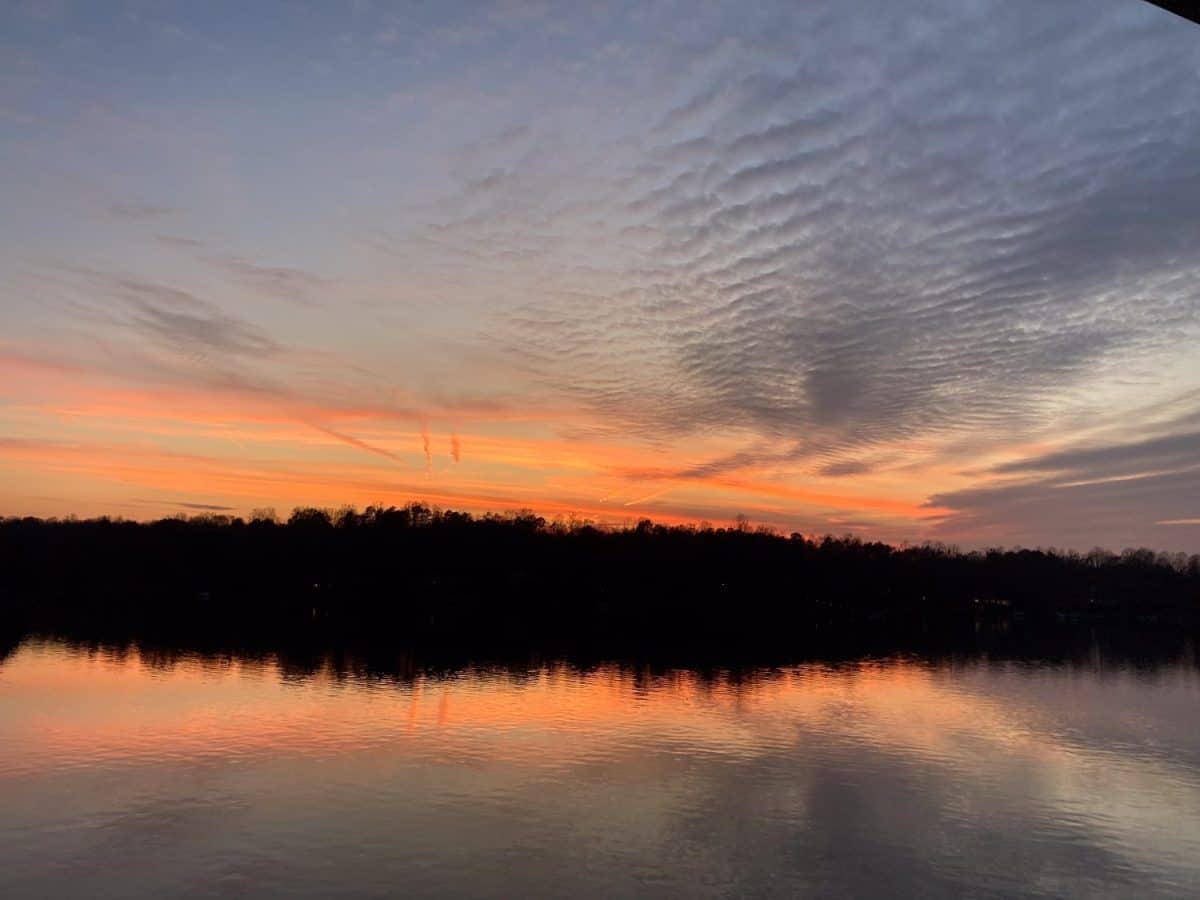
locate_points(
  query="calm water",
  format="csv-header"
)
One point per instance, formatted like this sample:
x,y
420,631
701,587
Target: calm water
x,y
124,774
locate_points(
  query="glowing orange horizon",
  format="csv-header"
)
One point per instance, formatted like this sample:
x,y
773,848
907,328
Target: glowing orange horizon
x,y
93,444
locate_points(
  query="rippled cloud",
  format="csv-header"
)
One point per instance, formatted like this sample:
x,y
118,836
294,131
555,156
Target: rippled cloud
x,y
850,237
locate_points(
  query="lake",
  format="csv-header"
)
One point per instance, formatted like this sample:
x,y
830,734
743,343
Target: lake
x,y
146,773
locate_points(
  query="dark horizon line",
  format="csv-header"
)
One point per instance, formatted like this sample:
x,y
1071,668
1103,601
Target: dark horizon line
x,y
216,514
419,571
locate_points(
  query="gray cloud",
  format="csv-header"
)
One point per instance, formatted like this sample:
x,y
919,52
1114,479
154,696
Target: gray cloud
x,y
1173,451
830,232
1113,513
853,229
171,318
1118,494
283,282
845,467
132,210
184,322
179,242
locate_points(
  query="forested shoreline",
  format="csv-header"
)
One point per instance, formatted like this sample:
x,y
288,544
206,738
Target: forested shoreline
x,y
418,569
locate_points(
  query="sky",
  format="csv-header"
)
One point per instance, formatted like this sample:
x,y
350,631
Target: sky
x,y
924,271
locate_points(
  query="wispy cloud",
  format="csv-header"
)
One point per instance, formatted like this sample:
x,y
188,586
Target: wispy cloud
x,y
1115,493
283,282
179,241
128,209
168,316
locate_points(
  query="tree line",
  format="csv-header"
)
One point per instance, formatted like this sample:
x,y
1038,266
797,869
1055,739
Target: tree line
x,y
419,569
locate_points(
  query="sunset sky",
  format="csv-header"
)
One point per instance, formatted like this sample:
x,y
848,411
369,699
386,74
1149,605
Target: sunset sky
x,y
907,270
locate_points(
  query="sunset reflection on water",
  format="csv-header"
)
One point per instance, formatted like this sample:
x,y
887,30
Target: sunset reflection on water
x,y
128,772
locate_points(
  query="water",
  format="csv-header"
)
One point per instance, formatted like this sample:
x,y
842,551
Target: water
x,y
127,774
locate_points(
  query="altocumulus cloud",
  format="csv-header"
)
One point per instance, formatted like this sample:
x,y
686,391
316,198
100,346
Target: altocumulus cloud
x,y
842,227
833,229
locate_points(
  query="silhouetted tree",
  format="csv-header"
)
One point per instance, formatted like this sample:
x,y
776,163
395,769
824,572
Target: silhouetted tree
x,y
417,569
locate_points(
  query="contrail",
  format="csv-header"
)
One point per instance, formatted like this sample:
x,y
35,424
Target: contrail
x,y
455,447
649,496
425,443
355,442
